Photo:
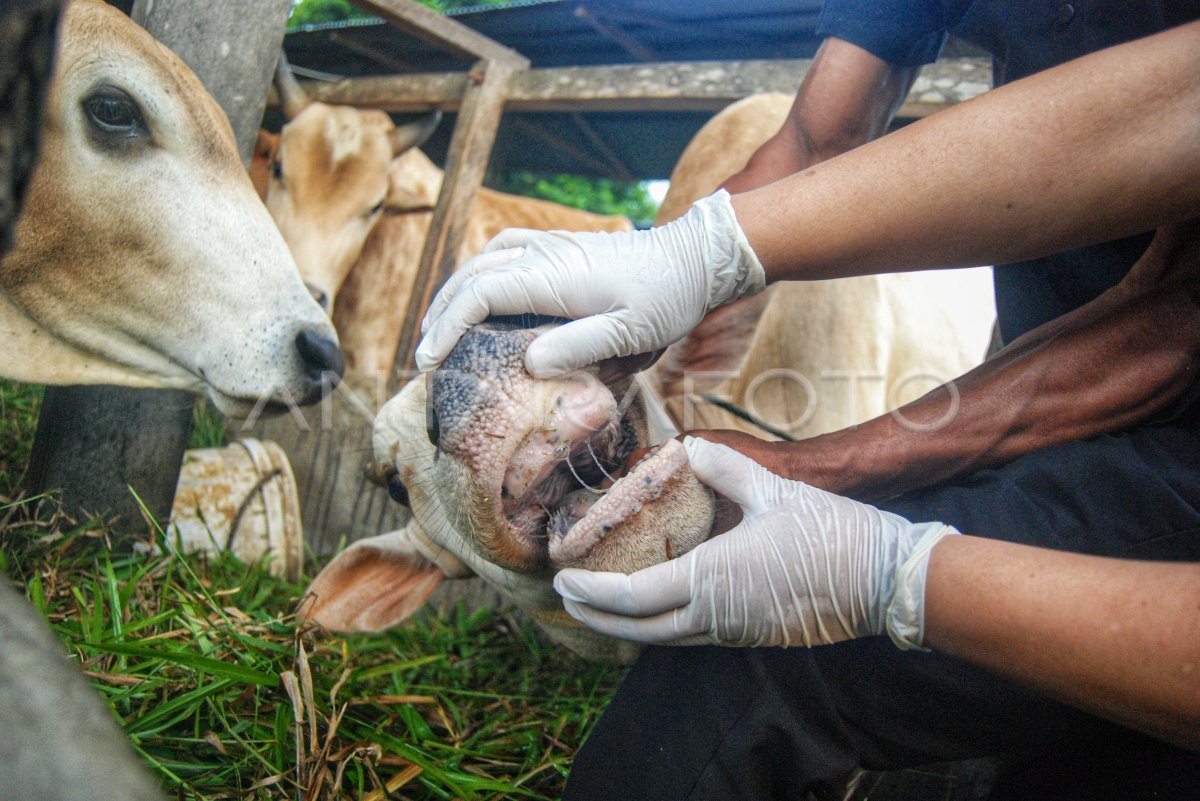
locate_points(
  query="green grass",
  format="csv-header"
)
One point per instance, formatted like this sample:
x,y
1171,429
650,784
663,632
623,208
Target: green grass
x,y
226,698
19,404
208,427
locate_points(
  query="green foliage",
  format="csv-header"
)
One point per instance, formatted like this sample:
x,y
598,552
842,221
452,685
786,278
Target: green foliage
x,y
601,195
208,427
207,671
315,12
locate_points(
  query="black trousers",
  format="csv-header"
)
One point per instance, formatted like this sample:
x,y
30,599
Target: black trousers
x,y
770,723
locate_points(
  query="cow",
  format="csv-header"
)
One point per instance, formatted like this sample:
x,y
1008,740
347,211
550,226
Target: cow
x,y
353,195
381,281
876,330
508,476
143,257
261,159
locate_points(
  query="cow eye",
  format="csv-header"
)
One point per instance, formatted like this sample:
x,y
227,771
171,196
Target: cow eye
x,y
277,170
114,116
378,207
397,490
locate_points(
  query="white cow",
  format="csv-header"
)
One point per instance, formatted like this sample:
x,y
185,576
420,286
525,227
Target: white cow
x,y
143,257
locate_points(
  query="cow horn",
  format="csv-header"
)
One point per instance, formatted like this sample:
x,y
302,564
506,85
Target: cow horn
x,y
291,96
414,134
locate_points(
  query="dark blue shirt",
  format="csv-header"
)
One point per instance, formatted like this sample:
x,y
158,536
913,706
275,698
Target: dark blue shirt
x,y
1023,37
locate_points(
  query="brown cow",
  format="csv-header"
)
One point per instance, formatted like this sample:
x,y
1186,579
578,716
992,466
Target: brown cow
x,y
368,312
143,257
353,196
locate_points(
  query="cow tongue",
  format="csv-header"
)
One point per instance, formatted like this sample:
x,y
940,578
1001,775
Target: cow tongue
x,y
585,517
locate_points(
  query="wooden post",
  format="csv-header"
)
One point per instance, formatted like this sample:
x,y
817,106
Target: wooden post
x,y
470,148
466,164
96,442
231,45
666,86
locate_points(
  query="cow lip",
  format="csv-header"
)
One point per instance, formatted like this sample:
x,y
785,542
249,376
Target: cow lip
x,y
242,408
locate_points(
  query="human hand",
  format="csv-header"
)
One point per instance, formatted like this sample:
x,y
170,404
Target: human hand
x,y
803,567
624,293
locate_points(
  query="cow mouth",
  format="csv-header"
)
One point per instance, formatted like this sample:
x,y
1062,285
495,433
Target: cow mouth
x,y
577,500
543,478
586,518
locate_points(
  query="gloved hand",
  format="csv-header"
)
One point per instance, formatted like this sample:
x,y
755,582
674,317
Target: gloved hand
x,y
803,567
626,293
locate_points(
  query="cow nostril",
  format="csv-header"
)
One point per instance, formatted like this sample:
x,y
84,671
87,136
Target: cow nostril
x,y
320,355
432,427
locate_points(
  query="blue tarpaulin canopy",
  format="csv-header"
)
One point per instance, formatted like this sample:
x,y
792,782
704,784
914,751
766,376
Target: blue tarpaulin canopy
x,y
558,33
554,33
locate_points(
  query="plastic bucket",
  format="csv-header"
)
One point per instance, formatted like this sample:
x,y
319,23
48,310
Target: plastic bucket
x,y
240,498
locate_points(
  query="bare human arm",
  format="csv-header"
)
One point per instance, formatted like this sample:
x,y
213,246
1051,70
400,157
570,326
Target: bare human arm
x,y
847,98
1098,148
1119,638
1095,149
1108,365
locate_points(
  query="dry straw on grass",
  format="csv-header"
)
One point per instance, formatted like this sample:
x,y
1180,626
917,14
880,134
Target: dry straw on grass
x,y
227,698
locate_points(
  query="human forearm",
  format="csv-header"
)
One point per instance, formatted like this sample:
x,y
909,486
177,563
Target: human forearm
x,y
1073,382
1092,150
1119,638
1004,179
847,98
1109,364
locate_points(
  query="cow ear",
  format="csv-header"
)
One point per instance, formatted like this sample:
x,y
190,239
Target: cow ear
x,y
373,585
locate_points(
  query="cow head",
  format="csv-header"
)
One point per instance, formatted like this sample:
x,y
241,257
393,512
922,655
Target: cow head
x,y
329,179
511,477
143,256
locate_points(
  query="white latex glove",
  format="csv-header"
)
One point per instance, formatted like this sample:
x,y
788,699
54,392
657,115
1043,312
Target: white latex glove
x,y
803,567
627,293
